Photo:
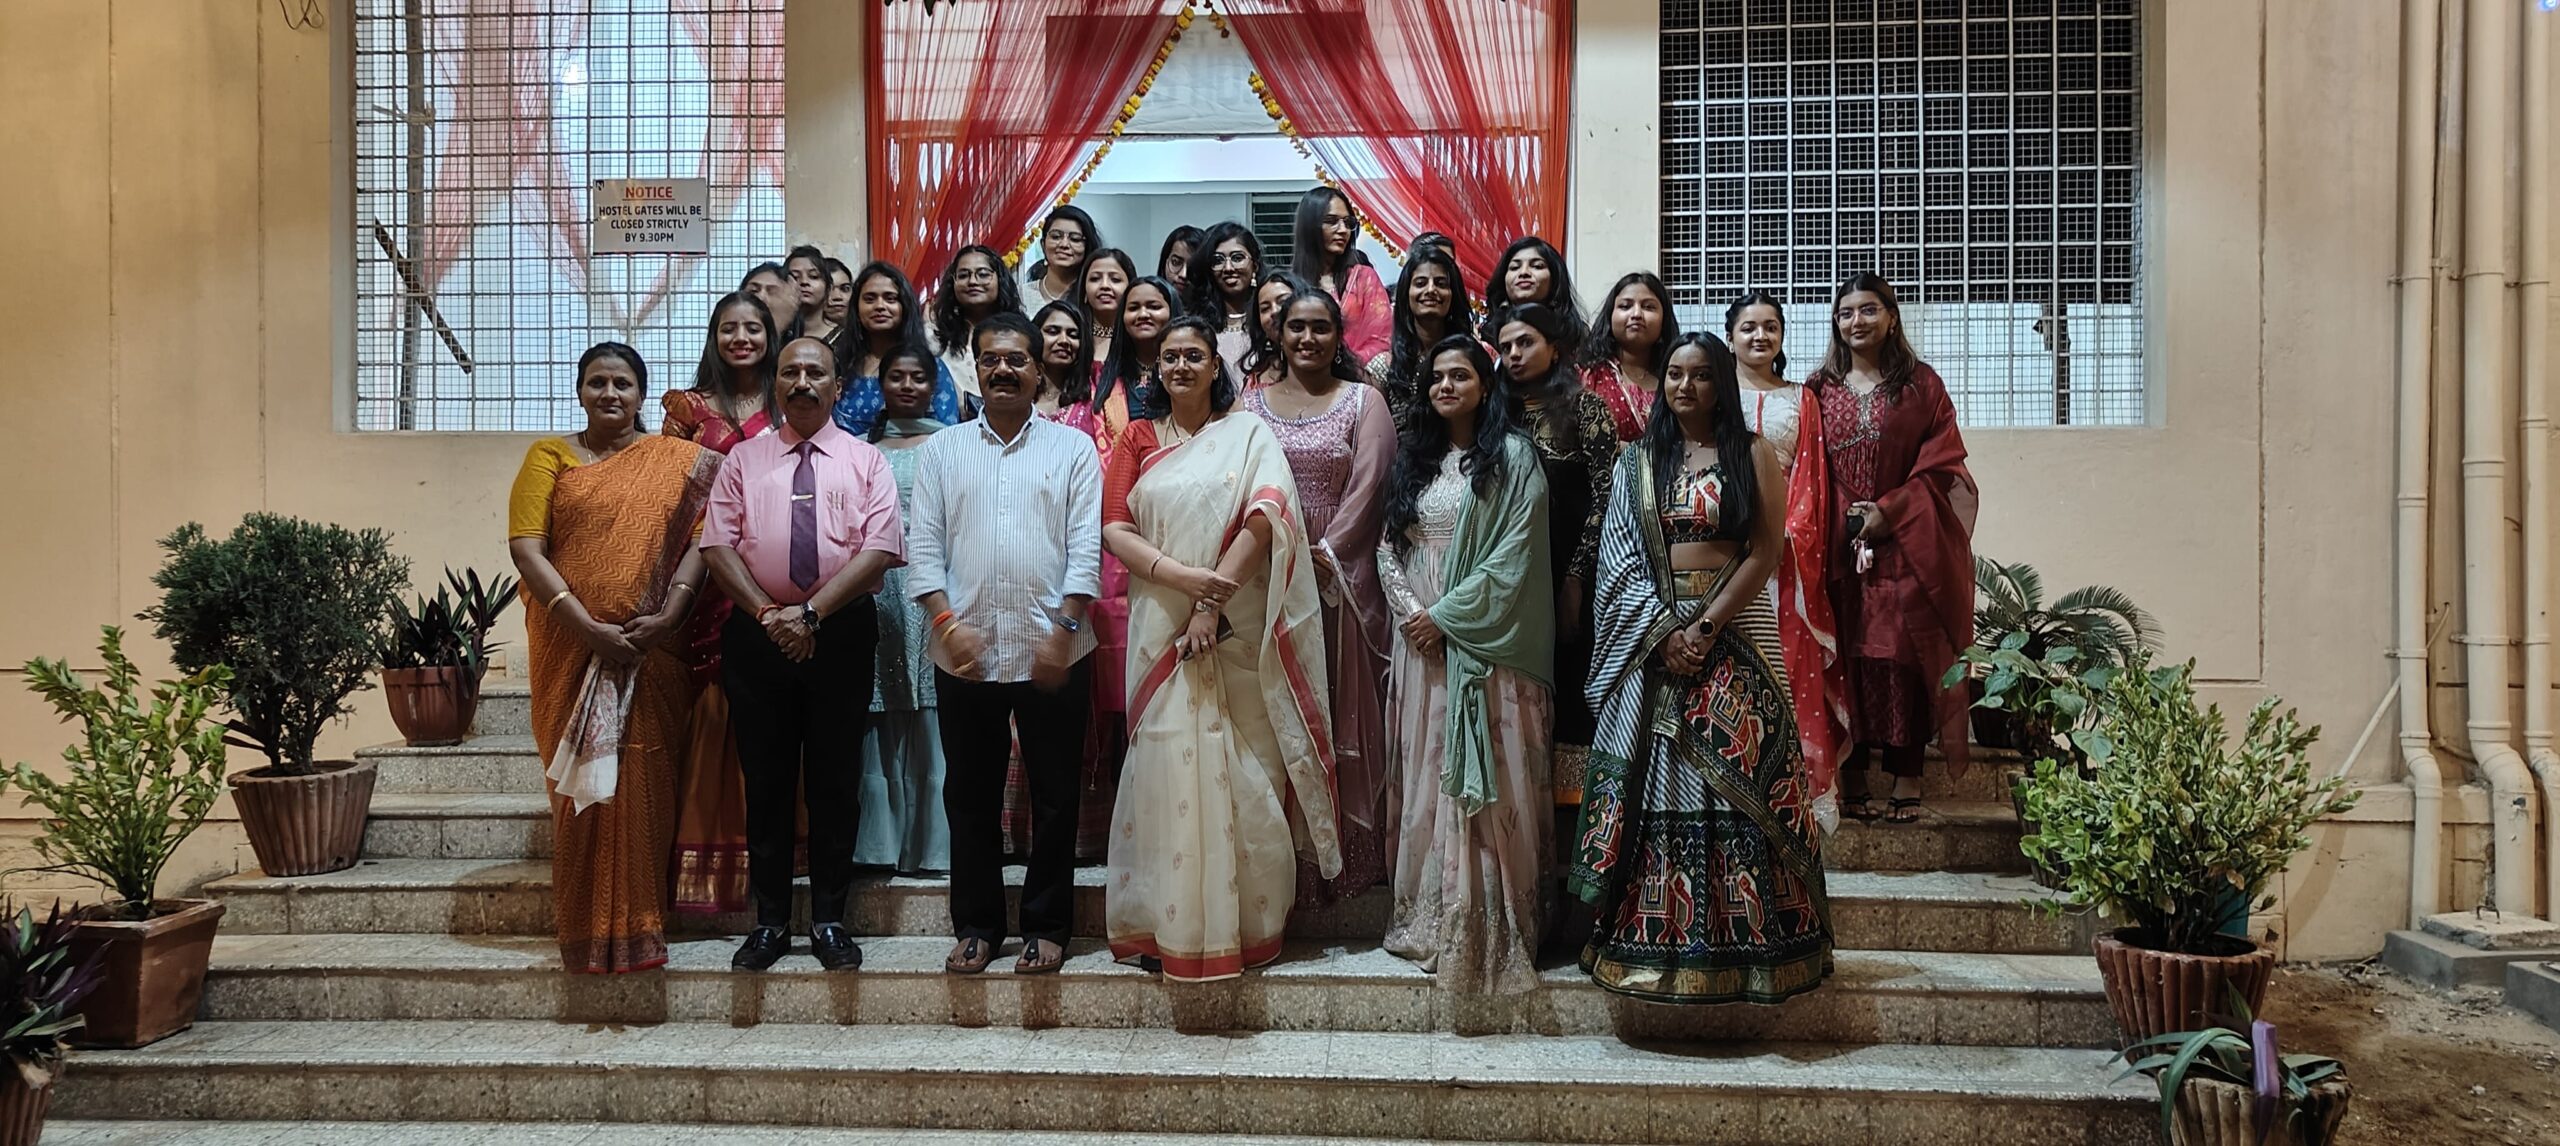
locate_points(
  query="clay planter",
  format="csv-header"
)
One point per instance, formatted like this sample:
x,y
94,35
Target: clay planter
x,y
305,825
2164,992
22,1109
2212,1112
431,706
151,978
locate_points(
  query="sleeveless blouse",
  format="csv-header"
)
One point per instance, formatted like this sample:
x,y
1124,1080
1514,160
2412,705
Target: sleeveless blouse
x,y
1776,415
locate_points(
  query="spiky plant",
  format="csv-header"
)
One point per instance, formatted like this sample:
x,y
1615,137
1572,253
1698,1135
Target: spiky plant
x,y
2102,622
450,629
43,980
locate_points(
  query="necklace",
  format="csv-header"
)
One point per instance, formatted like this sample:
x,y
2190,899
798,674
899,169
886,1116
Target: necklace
x,y
1101,332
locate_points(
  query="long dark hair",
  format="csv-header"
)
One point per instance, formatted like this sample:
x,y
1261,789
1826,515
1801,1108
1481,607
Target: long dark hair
x,y
711,375
1423,444
1265,349
1895,360
1128,269
1342,366
910,328
921,355
1201,295
1152,402
1185,233
1408,356
1734,439
1307,258
1751,298
1602,344
1034,268
1123,366
950,323
1498,302
1555,389
1077,386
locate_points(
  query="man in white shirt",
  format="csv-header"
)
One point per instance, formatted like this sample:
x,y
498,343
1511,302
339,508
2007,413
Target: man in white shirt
x,y
1004,553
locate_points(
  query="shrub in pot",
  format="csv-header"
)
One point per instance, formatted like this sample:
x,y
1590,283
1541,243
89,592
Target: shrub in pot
x,y
435,655
298,611
2221,1088
143,776
2175,829
2097,626
44,975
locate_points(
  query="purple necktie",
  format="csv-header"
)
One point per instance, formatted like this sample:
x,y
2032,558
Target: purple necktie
x,y
804,519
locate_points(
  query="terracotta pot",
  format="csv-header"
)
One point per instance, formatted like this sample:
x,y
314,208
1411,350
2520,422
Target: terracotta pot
x,y
22,1110
431,706
2212,1112
152,976
305,825
2155,992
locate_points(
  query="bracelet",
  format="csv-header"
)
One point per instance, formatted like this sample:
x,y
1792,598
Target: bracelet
x,y
768,611
939,618
943,633
554,602
1151,566
685,586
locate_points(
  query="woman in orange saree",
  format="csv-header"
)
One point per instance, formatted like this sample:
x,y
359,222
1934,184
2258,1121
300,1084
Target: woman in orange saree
x,y
601,524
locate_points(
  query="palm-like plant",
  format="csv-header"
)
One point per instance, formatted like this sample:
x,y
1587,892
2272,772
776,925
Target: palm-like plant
x,y
2102,622
43,979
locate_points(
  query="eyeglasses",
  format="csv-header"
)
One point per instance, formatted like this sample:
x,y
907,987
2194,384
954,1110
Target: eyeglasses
x,y
1231,259
1844,314
975,275
1016,361
1183,358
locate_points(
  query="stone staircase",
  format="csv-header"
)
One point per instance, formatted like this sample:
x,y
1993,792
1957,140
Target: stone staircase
x,y
422,988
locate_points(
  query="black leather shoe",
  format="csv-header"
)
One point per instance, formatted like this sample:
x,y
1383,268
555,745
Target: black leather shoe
x,y
835,947
763,946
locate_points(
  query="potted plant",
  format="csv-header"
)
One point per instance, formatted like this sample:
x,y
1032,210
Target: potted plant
x,y
140,780
435,655
2100,627
298,611
43,978
2218,1088
2176,830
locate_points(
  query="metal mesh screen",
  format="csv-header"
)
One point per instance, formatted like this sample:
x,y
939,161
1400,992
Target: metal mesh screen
x,y
1983,155
480,125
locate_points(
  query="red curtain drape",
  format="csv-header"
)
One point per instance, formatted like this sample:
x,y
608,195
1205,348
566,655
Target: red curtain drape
x,y
981,112
1434,115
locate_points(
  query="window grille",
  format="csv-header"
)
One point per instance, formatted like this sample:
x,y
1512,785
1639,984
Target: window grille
x,y
1983,155
480,126
1275,226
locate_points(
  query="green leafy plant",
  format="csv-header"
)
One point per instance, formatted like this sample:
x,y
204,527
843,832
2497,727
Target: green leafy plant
x,y
2102,623
140,781
2225,1054
2172,818
43,979
297,609
2049,696
450,629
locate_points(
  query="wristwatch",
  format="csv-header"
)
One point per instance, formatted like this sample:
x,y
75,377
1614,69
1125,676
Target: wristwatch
x,y
1070,624
809,616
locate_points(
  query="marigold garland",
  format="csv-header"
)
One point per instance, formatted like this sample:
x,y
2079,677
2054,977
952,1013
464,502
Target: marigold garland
x,y
1119,124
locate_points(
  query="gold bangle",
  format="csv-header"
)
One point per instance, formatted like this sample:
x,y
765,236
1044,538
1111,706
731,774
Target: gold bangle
x,y
554,602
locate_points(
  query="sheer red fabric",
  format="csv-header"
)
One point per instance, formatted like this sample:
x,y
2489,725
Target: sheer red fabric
x,y
1434,115
981,113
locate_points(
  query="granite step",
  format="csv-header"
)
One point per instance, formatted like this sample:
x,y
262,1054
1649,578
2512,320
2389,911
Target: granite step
x,y
1955,836
506,709
61,1132
996,1079
1872,996
1880,911
508,762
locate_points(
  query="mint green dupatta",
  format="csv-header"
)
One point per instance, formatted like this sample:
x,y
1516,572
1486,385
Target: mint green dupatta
x,y
1497,611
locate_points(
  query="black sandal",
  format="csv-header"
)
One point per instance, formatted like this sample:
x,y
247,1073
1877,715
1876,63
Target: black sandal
x,y
1861,807
1896,808
969,957
1031,962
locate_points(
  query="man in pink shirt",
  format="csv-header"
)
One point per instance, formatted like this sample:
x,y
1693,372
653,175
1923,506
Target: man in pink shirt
x,y
803,520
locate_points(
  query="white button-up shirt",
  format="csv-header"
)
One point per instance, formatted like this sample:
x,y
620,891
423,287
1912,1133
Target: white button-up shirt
x,y
1008,530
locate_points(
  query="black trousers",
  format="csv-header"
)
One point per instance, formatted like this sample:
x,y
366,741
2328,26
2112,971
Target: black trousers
x,y
1900,760
976,749
799,727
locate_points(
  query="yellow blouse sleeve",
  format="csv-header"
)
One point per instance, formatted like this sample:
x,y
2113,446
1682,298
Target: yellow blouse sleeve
x,y
529,502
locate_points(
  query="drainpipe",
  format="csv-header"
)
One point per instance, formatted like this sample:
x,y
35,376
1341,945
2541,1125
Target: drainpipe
x,y
2490,95
2534,297
2419,140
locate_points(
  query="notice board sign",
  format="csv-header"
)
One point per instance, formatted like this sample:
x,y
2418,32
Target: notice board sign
x,y
652,217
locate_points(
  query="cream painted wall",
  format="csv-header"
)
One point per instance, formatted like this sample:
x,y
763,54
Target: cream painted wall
x,y
198,148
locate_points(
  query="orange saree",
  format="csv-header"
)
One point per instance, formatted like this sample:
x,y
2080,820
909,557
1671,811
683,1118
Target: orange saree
x,y
617,529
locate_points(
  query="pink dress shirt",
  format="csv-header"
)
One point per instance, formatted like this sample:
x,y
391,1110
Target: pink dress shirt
x,y
750,508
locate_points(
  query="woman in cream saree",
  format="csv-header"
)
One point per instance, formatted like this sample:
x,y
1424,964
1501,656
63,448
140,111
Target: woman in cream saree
x,y
1229,772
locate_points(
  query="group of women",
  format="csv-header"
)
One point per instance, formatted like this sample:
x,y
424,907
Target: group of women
x,y
1484,603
